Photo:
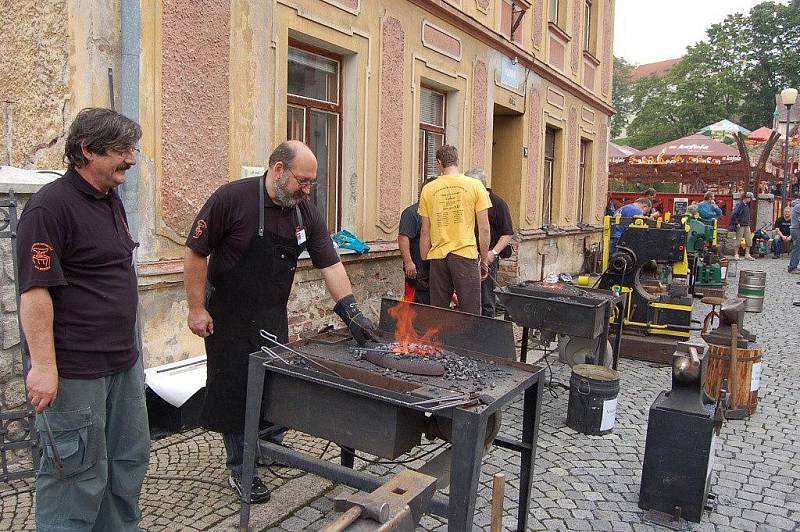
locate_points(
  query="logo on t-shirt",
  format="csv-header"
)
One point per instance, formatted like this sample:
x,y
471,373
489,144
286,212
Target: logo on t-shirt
x,y
40,254
199,227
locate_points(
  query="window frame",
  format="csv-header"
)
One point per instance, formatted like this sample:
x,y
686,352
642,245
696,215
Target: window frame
x,y
554,15
549,177
584,164
589,26
426,129
333,220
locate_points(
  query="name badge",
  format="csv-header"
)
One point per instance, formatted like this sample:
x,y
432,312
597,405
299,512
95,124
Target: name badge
x,y
301,235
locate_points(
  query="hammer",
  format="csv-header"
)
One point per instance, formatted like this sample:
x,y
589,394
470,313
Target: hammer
x,y
357,506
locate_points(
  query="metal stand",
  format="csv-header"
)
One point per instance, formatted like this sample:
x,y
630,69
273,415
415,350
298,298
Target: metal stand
x,y
465,466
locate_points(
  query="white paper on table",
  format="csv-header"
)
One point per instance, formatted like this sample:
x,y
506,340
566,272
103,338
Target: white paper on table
x,y
177,382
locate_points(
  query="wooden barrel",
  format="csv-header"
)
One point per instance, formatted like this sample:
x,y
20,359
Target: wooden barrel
x,y
747,378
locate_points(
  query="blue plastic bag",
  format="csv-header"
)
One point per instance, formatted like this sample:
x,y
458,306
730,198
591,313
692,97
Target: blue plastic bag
x,y
347,240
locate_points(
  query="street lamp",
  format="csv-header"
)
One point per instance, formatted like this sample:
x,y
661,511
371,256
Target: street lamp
x,y
788,97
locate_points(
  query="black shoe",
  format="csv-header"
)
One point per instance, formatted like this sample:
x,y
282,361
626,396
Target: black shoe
x,y
259,493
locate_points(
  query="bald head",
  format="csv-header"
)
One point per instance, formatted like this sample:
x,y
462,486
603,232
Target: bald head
x,y
292,173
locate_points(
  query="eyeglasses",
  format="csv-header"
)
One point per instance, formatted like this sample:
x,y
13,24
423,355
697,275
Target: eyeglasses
x,y
302,182
127,150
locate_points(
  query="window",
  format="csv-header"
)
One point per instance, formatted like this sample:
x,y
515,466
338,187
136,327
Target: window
x,y
431,131
552,15
584,179
549,175
314,116
589,26
511,20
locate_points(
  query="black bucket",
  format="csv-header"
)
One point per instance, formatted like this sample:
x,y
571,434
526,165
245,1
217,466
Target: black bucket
x,y
592,399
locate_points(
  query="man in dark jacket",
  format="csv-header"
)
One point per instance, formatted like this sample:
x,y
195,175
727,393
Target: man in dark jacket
x,y
501,232
740,223
253,231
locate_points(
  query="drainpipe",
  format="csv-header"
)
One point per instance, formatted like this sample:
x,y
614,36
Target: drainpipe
x,y
130,41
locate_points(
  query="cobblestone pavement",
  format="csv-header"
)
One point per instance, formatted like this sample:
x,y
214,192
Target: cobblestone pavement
x,y
581,482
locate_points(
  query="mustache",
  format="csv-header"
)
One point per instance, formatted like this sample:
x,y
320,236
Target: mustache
x,y
124,167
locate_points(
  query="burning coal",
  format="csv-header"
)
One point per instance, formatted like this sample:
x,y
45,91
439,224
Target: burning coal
x,y
406,338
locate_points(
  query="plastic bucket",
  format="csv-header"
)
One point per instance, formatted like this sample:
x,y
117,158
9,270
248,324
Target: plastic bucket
x,y
593,394
752,284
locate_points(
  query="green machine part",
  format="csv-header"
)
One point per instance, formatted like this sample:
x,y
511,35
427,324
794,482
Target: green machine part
x,y
707,275
700,236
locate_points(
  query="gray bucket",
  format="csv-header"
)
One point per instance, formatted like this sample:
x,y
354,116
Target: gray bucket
x,y
752,284
593,391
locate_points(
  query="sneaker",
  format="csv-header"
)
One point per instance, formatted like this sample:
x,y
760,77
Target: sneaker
x,y
749,257
797,272
259,493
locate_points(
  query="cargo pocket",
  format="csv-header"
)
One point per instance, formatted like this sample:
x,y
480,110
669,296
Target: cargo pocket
x,y
71,435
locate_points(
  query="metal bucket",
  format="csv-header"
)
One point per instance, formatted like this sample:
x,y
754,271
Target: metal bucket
x,y
592,407
751,288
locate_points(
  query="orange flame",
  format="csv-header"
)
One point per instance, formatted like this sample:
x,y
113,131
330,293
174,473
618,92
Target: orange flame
x,y
405,333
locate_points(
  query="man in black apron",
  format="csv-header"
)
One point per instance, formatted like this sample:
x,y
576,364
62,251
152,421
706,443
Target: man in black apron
x,y
254,229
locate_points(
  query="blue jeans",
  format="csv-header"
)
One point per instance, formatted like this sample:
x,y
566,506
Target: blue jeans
x,y
100,430
794,258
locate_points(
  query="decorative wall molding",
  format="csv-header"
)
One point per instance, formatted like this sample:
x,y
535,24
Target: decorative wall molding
x,y
351,6
587,115
608,35
482,5
480,87
439,40
390,134
556,98
572,153
577,42
601,169
538,24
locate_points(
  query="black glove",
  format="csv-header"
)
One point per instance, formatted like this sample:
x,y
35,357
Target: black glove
x,y
360,326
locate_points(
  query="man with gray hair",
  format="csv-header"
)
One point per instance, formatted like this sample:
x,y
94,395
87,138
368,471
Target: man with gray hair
x,y
78,311
252,231
501,231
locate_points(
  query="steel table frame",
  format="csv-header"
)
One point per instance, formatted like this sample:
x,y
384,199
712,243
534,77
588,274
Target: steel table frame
x,y
469,428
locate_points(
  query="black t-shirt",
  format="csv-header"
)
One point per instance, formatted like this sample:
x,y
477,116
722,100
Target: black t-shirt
x,y
228,221
784,226
499,223
410,226
74,240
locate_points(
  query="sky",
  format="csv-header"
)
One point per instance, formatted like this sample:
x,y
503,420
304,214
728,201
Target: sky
x,y
646,31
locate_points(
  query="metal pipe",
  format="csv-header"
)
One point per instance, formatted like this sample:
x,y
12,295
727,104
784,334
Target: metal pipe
x,y
130,48
786,195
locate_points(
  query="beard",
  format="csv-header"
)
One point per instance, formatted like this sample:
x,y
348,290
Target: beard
x,y
285,198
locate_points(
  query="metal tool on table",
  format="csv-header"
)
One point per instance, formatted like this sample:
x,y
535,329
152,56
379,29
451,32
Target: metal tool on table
x,y
355,507
274,339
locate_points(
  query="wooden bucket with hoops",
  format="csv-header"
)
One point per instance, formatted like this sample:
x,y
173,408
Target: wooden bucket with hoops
x,y
744,384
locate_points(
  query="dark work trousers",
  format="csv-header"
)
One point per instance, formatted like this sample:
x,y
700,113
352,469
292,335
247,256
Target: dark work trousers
x,y
100,430
234,449
487,290
460,274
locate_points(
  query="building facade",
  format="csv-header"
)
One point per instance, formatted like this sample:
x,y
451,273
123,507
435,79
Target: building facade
x,y
522,88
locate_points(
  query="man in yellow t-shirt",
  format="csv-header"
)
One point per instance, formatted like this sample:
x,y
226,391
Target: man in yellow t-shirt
x,y
449,207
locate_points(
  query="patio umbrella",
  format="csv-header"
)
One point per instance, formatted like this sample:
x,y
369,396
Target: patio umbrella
x,y
694,149
761,134
618,152
724,130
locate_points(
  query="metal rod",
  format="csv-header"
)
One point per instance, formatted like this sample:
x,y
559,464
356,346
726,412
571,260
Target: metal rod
x,y
274,339
786,195
273,354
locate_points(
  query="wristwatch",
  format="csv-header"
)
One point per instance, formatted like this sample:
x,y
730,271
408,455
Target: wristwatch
x,y
493,252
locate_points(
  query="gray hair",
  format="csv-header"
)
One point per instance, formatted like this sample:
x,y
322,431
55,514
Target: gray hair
x,y
479,174
99,130
284,153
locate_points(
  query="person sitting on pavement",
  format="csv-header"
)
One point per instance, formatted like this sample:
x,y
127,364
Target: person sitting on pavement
x,y
794,258
640,207
740,224
708,209
782,233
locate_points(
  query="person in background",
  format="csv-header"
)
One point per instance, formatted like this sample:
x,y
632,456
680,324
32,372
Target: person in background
x,y
794,258
782,233
501,231
708,209
450,206
740,224
655,206
78,310
640,207
415,270
239,265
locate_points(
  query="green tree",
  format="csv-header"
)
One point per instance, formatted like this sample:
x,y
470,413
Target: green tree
x,y
621,95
